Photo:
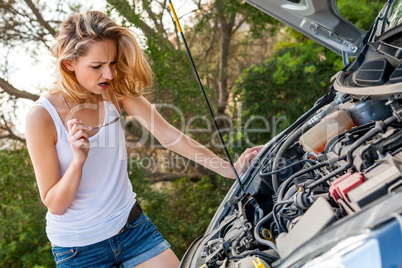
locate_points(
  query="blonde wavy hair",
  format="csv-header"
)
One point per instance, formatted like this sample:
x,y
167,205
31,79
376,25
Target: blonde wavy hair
x,y
133,72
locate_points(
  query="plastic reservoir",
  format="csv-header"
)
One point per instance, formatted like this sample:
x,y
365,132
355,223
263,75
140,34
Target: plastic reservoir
x,y
317,137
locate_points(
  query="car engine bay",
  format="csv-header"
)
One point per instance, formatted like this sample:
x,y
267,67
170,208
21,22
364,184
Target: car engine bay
x,y
317,185
335,172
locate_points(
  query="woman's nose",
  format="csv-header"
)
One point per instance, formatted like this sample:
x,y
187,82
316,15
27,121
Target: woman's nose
x,y
108,73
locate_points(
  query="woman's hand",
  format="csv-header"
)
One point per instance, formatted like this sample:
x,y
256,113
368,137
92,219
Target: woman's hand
x,y
245,160
78,138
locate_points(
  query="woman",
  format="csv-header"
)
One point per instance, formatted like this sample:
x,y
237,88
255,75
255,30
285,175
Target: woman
x,y
78,149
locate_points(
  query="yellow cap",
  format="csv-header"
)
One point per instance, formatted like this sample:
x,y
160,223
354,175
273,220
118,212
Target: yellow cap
x,y
258,263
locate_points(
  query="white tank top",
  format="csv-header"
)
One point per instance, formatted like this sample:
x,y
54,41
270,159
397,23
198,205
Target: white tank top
x,y
105,195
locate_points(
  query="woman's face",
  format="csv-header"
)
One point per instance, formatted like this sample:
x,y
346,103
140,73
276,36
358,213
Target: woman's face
x,y
94,70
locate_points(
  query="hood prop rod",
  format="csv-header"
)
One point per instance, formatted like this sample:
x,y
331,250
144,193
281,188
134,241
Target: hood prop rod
x,y
205,96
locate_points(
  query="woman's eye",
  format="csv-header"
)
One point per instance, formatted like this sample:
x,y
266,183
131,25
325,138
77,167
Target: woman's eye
x,y
113,62
96,67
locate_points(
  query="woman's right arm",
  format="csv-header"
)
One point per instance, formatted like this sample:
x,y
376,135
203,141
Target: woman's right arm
x,y
57,193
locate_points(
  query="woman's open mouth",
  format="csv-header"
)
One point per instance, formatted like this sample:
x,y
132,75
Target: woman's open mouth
x,y
104,85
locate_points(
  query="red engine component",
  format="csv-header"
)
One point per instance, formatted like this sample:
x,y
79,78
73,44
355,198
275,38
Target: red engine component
x,y
341,186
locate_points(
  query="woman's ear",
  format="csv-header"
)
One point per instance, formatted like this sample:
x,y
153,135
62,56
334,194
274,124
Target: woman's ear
x,y
69,64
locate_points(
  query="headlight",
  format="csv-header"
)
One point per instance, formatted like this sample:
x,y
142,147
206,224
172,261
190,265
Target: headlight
x,y
357,251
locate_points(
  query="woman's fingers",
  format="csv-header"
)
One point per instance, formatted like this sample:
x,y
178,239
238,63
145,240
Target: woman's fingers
x,y
72,122
79,143
258,148
81,134
78,134
75,124
255,151
246,158
250,153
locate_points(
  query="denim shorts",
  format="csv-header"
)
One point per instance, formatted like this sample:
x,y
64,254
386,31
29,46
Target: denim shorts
x,y
139,242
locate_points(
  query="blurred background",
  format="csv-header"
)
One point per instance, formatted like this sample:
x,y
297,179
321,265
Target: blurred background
x,y
259,75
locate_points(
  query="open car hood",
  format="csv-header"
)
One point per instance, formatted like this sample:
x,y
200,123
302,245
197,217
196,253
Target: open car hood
x,y
319,20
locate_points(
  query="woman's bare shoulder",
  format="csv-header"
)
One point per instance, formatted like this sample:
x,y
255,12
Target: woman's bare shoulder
x,y
38,121
39,114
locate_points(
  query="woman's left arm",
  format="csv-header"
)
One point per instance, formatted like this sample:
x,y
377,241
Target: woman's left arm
x,y
176,141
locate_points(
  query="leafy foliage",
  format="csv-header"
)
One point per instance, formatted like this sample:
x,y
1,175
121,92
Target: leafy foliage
x,y
281,89
223,30
360,12
23,241
174,80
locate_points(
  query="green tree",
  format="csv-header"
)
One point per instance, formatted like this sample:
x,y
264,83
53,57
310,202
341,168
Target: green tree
x,y
23,241
276,92
360,12
224,27
28,26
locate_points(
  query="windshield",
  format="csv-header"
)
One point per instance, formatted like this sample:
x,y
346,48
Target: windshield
x,y
395,17
392,29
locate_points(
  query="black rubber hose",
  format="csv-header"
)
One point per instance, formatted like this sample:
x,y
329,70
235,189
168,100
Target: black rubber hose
x,y
271,258
281,152
353,131
281,228
265,175
257,233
